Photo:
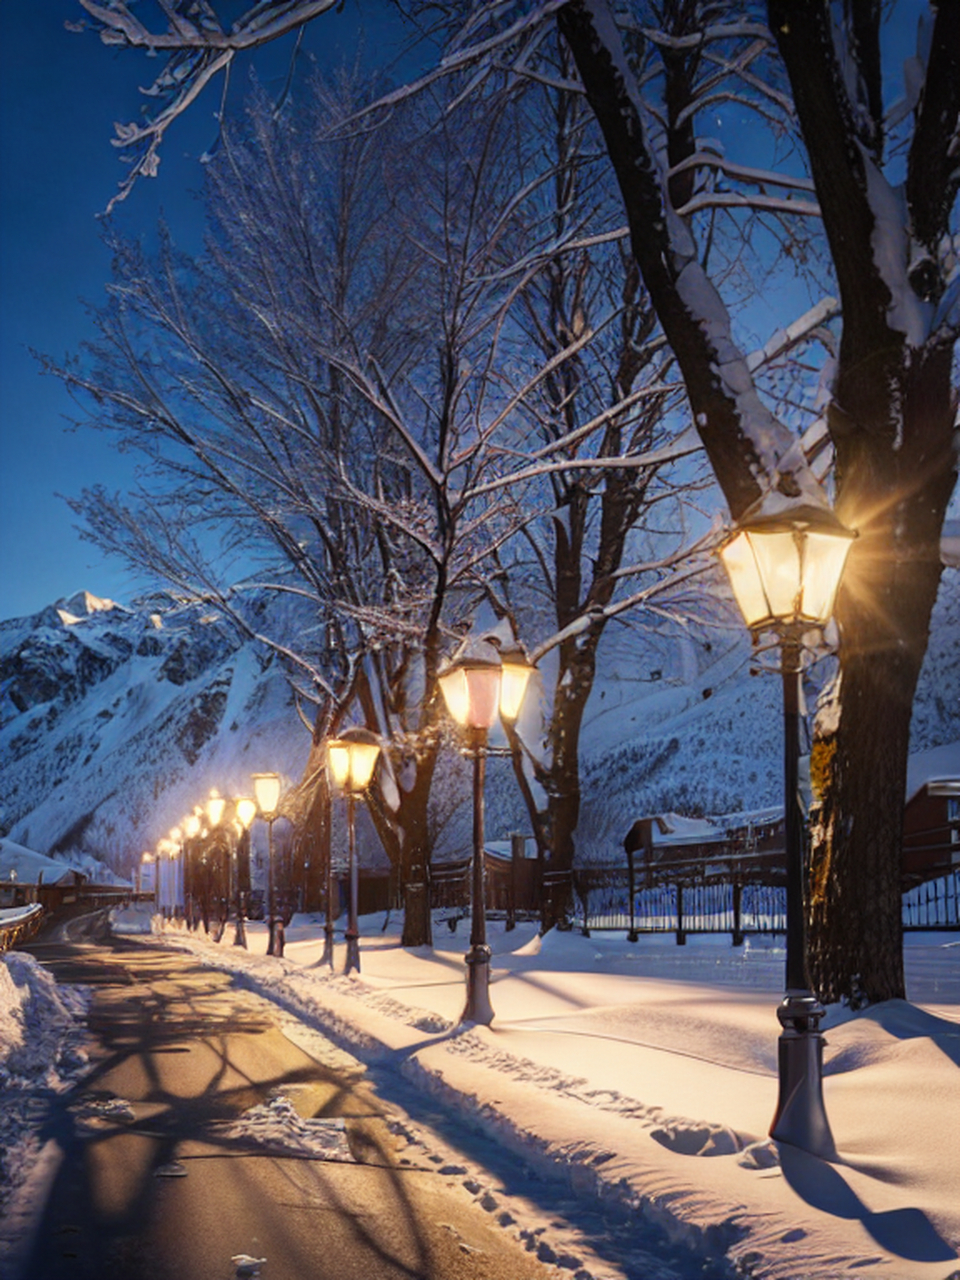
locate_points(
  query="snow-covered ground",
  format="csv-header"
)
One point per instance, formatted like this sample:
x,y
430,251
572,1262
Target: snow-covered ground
x,y
645,1075
41,1054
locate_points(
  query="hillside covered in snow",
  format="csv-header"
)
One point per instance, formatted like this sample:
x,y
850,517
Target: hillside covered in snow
x,y
115,721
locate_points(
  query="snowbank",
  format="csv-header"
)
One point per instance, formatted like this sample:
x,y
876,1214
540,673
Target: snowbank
x,y
41,1055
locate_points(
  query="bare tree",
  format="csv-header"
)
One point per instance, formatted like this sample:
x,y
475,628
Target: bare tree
x,y
892,411
882,178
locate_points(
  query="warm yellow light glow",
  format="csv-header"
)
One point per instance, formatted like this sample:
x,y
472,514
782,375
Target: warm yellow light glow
x,y
825,559
266,787
215,807
338,757
191,826
246,811
146,856
514,678
471,691
786,571
352,760
176,835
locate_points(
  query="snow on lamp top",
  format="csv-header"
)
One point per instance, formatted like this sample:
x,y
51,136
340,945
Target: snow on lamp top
x,y
266,788
785,569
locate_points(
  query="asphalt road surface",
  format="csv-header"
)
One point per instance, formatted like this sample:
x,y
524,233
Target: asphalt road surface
x,y
177,1053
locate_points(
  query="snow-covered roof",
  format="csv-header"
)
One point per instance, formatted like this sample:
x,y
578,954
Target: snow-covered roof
x,y
939,764
26,864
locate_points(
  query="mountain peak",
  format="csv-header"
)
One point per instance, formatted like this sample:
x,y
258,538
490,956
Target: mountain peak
x,y
81,605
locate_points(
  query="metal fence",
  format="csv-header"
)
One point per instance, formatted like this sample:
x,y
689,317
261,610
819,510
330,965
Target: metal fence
x,y
934,904
602,902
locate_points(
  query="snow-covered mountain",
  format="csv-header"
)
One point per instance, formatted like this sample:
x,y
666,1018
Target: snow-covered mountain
x,y
114,722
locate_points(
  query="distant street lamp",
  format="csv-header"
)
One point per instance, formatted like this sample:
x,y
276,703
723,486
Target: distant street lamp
x,y
266,788
191,825
246,811
785,571
352,759
215,807
145,859
479,684
178,874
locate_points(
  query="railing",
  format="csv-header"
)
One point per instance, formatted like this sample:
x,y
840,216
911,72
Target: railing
x,y
934,904
18,925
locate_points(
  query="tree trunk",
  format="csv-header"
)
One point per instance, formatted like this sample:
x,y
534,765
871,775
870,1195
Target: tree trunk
x,y
897,497
415,858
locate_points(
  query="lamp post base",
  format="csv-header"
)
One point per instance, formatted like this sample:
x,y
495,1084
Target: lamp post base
x,y
801,1118
478,1008
275,942
240,933
353,951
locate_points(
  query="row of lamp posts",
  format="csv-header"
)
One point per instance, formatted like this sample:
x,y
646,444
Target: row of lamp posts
x,y
785,570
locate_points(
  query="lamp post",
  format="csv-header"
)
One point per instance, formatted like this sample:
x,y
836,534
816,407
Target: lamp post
x,y
215,807
785,571
177,856
266,788
246,810
477,685
352,759
328,930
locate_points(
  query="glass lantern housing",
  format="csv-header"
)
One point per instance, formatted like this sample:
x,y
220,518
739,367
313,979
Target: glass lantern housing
x,y
352,759
266,788
785,569
246,811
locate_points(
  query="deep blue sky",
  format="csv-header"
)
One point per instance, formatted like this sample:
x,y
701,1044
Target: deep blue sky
x,y
59,95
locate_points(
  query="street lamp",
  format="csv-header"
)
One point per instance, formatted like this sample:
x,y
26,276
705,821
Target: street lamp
x,y
266,788
215,807
191,825
352,759
785,571
177,872
246,810
482,682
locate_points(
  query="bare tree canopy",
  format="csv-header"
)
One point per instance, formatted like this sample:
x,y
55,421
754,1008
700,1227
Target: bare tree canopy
x,y
818,169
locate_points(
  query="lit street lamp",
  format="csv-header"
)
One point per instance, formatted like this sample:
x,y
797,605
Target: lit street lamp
x,y
476,686
785,571
266,788
191,825
352,759
246,810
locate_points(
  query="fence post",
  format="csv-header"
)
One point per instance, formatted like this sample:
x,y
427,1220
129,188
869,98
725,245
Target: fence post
x,y
518,845
681,935
737,926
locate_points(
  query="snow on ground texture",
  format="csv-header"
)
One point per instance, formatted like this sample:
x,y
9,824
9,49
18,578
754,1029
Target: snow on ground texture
x,y
41,1054
645,1075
